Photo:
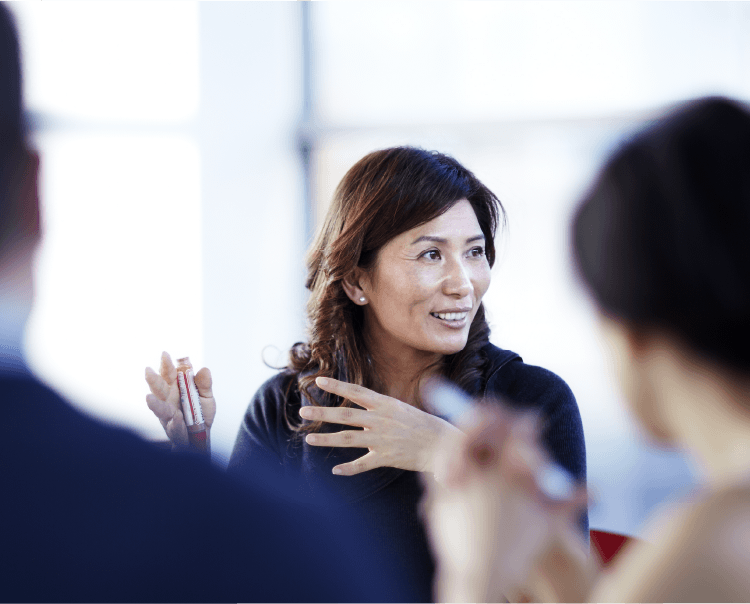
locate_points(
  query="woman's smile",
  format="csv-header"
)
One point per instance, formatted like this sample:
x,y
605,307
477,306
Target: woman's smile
x,y
452,319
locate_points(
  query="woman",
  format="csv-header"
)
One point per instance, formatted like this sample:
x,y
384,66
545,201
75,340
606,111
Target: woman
x,y
662,243
396,275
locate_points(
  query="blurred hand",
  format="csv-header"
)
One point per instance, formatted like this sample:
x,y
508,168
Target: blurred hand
x,y
494,527
164,399
397,434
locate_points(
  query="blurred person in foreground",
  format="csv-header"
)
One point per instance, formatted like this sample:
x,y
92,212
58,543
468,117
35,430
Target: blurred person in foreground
x,y
662,242
93,513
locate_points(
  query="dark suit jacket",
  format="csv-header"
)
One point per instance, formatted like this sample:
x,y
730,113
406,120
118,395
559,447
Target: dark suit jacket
x,y
90,512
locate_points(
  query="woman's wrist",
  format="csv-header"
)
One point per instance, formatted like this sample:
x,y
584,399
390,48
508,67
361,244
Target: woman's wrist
x,y
446,444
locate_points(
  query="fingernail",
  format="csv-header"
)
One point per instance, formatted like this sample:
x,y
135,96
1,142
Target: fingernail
x,y
336,471
311,438
321,381
305,412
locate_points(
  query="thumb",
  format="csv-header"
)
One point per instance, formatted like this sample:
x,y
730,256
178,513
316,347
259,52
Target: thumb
x,y
204,383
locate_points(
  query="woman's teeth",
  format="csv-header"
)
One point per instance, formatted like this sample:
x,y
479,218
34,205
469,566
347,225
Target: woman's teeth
x,y
450,316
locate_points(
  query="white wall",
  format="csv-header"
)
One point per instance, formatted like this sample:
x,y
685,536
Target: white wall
x,y
113,91
172,197
252,217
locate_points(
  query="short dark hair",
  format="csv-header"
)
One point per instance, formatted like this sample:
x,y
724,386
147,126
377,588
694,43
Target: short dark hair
x,y
662,239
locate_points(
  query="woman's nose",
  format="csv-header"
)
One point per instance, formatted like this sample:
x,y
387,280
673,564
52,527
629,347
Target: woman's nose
x,y
458,282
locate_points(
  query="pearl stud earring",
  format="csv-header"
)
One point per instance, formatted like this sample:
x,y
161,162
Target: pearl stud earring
x,y
362,299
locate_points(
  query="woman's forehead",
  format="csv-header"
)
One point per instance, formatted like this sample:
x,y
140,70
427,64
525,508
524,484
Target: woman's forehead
x,y
458,223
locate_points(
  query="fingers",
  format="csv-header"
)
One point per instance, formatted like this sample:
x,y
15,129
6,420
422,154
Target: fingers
x,y
507,444
338,415
157,384
162,410
481,449
347,438
363,464
164,400
358,394
167,369
204,383
170,418
523,463
176,429
490,426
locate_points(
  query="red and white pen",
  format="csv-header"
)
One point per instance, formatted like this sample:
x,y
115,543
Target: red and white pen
x,y
191,406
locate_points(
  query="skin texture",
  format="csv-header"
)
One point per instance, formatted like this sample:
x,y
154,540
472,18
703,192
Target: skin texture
x,y
434,267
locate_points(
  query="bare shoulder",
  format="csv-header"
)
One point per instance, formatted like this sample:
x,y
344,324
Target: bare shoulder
x,y
698,551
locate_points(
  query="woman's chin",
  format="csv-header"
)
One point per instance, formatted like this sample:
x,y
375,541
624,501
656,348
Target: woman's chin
x,y
448,347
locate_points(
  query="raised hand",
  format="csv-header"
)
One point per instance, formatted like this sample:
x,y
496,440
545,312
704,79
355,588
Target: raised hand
x,y
164,399
396,434
502,521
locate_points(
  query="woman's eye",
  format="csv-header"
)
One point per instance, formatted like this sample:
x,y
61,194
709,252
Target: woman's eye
x,y
477,252
431,255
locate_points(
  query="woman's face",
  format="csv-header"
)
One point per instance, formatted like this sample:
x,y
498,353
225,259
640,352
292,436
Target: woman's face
x,y
426,286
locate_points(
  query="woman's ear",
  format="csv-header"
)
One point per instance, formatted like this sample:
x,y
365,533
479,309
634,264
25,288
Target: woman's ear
x,y
353,288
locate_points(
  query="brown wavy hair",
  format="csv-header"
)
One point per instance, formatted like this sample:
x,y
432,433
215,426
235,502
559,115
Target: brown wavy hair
x,y
386,193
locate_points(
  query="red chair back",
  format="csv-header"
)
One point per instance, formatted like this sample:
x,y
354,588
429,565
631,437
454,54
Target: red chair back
x,y
607,545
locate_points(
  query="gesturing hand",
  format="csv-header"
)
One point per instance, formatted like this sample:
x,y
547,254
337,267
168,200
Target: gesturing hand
x,y
164,399
396,434
503,522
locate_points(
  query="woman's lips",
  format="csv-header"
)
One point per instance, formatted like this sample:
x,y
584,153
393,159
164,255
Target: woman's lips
x,y
453,320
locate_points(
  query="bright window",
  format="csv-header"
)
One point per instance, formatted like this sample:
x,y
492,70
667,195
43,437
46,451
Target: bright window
x,y
112,89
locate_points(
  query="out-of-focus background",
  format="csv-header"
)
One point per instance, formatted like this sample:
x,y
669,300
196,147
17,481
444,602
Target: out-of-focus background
x,y
188,150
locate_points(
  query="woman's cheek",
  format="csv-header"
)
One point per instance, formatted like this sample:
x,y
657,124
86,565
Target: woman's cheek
x,y
425,279
482,281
